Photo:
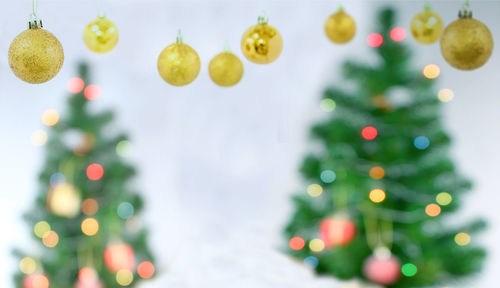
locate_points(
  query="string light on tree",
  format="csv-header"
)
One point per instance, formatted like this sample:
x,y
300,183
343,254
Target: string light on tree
x,y
50,117
92,92
462,239
90,226
297,243
398,34
431,71
95,172
377,172
377,195
433,210
262,43
327,105
41,228
316,245
27,265
446,95
314,190
375,40
36,281
64,201
75,85
50,239
409,270
444,199
119,256
426,26
101,35
340,27
369,132
337,231
226,69
145,270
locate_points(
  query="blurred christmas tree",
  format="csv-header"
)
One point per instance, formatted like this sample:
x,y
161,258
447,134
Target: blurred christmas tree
x,y
85,217
381,189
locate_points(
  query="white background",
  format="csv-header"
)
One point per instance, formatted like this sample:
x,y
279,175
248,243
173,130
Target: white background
x,y
217,166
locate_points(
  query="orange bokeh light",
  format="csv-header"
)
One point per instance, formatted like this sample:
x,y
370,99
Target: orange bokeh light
x,y
146,270
95,172
87,275
297,243
90,226
118,257
377,172
50,239
433,210
90,207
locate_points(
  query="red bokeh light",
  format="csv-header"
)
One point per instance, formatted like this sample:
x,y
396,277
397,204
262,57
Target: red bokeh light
x,y
117,257
87,275
146,270
75,85
337,232
297,243
398,34
92,92
95,172
375,40
369,132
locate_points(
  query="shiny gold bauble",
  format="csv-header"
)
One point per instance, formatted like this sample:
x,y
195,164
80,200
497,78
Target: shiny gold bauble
x,y
64,201
426,27
467,44
262,43
226,69
340,27
36,56
179,64
101,35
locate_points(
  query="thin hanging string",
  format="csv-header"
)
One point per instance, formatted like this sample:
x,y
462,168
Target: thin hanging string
x,y
34,7
263,18
340,8
102,11
227,47
179,37
427,6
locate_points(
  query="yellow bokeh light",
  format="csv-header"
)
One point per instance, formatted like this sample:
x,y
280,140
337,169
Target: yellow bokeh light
x,y
444,198
431,71
377,195
314,190
41,228
50,239
39,138
27,265
433,210
462,239
317,245
50,117
90,226
377,172
446,95
124,277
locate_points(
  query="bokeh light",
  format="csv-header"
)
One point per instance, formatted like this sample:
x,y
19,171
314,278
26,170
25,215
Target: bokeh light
x,y
446,95
50,239
95,172
327,105
90,226
75,85
38,281
311,261
50,117
377,195
39,138
377,172
123,148
374,40
64,201
92,92
87,275
124,277
133,224
328,176
297,243
119,256
314,190
369,132
433,210
317,245
57,179
27,265
90,207
145,269
409,270
431,71
462,239
125,210
421,142
398,34
444,198
41,228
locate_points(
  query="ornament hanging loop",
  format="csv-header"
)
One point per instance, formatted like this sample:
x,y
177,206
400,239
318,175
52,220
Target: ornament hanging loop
x,y
263,18
179,37
34,22
466,11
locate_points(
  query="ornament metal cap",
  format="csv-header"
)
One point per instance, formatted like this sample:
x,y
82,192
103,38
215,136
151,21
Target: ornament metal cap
x,y
35,23
466,11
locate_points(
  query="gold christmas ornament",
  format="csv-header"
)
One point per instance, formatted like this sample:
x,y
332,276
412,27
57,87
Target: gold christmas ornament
x,y
179,64
226,69
262,43
35,55
467,43
64,201
101,35
426,26
340,27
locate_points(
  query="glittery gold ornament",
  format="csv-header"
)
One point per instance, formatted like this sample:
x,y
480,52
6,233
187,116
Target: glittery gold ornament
x,y
179,64
426,26
35,55
262,43
101,35
340,27
467,43
226,69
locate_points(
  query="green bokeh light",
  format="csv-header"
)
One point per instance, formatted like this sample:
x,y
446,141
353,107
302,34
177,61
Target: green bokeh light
x,y
409,270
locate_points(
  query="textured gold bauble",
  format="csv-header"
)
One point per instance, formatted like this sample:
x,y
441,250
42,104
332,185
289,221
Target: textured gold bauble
x,y
340,27
262,43
179,64
226,69
101,35
426,27
36,56
466,44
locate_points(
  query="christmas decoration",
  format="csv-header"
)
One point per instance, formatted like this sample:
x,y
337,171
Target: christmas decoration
x,y
86,247
36,55
262,43
226,69
101,35
378,150
426,26
467,43
337,231
179,64
340,27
